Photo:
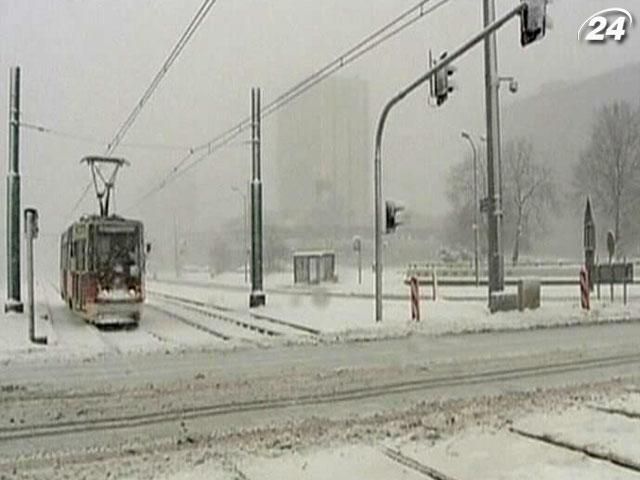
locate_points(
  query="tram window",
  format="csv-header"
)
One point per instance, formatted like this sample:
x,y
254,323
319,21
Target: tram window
x,y
81,255
117,249
89,258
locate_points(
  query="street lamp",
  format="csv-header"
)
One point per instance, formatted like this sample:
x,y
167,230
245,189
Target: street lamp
x,y
244,232
468,137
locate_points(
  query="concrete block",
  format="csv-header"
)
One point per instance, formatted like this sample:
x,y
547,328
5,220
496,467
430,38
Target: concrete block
x,y
528,294
503,302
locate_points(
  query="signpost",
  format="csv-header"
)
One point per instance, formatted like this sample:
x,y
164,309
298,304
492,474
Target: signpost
x,y
589,242
31,233
614,273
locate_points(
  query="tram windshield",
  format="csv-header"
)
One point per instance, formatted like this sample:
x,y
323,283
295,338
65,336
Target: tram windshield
x,y
118,250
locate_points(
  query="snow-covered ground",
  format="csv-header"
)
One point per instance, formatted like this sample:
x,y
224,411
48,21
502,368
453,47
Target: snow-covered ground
x,y
354,315
491,452
346,316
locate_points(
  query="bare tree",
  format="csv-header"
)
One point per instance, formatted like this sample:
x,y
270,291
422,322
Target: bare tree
x,y
609,169
529,192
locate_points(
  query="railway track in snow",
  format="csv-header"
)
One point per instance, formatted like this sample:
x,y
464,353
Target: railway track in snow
x,y
426,383
263,325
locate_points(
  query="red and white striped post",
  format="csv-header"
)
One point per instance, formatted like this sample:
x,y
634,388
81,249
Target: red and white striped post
x,y
585,289
415,299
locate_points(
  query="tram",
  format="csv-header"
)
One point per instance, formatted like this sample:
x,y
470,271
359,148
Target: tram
x,y
102,260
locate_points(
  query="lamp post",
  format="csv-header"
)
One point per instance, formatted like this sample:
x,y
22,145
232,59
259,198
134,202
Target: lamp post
x,y
468,137
245,252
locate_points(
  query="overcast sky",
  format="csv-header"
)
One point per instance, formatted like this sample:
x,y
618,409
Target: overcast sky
x,y
86,62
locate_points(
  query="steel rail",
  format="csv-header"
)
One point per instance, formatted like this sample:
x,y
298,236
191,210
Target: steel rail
x,y
256,316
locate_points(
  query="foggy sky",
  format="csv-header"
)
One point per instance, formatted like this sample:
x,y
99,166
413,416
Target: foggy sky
x,y
86,62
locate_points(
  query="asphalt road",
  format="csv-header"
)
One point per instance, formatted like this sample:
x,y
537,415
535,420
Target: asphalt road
x,y
131,370
208,392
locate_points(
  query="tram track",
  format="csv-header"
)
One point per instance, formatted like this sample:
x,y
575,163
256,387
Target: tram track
x,y
248,321
189,322
426,383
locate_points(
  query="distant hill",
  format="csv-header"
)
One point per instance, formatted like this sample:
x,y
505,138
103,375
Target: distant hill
x,y
558,121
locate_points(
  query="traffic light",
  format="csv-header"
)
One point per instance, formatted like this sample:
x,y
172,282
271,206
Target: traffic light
x,y
392,220
533,24
442,86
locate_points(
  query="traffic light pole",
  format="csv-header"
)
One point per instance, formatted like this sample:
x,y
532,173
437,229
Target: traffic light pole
x,y
257,297
494,170
378,210
14,302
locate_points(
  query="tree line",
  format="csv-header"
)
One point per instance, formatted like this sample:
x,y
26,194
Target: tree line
x,y
608,169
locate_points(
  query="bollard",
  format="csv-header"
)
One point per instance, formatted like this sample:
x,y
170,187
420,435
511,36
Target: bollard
x,y
415,299
585,289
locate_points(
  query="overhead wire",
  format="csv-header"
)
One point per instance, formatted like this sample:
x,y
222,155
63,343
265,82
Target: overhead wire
x,y
173,56
370,42
177,49
98,141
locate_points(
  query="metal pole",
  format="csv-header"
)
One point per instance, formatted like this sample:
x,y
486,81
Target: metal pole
x,y
31,232
13,303
380,131
244,238
30,280
475,206
257,297
495,260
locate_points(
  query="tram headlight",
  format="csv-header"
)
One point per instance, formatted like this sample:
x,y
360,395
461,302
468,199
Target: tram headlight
x,y
104,294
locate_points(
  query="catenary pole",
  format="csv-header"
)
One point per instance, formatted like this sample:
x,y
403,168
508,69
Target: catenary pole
x,y
14,302
257,297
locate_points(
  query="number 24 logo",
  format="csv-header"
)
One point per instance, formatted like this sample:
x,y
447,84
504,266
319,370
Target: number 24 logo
x,y
601,29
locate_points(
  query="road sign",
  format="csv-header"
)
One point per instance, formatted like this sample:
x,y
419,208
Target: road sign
x,y
589,228
615,273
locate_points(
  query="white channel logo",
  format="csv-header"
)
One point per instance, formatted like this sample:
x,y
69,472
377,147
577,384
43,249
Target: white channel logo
x,y
605,25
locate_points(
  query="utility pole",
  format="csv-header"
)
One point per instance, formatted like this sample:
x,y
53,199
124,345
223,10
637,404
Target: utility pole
x,y
257,297
14,303
492,84
475,206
